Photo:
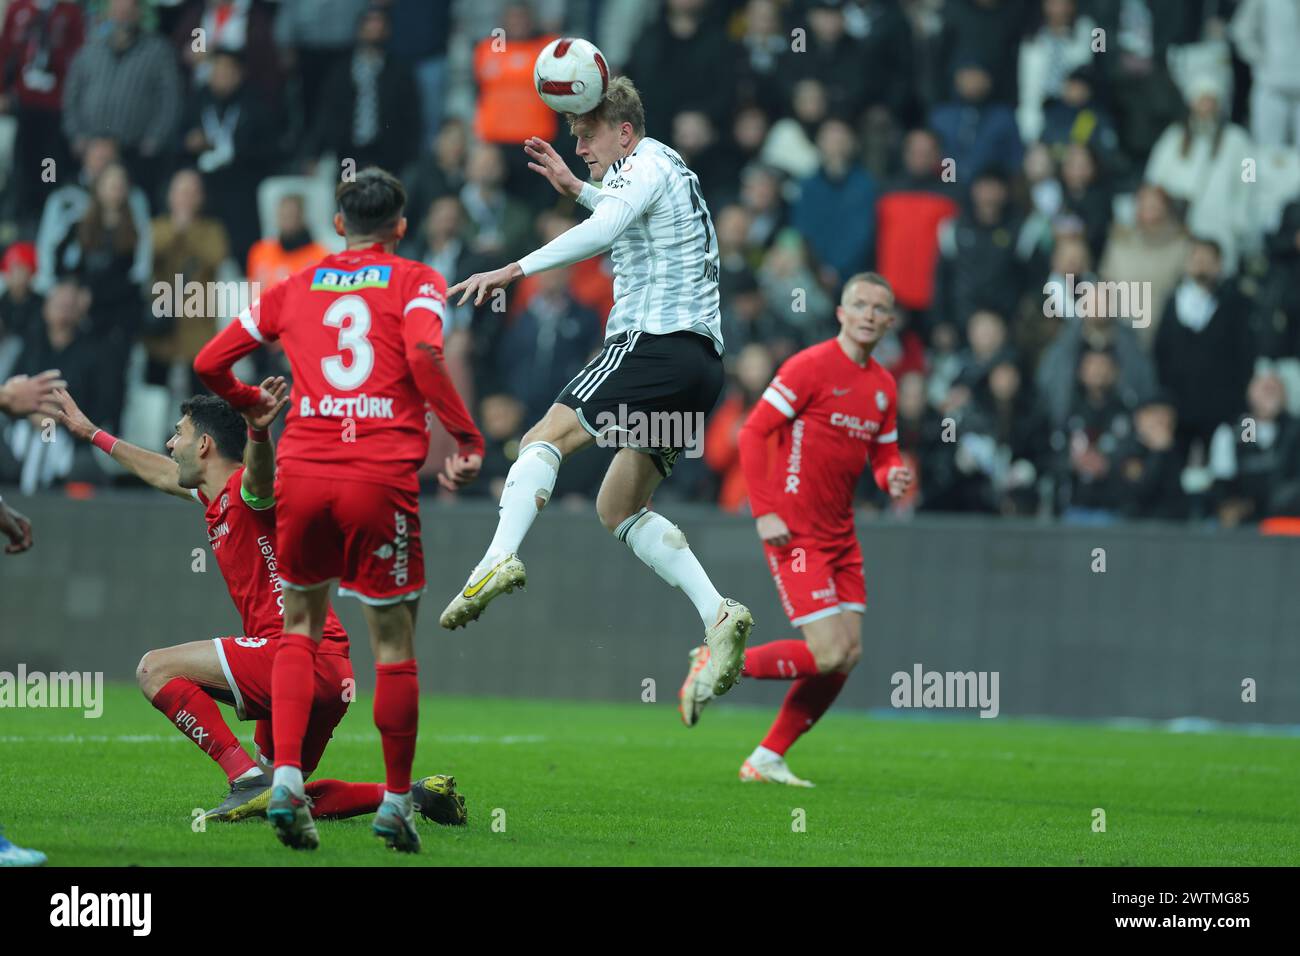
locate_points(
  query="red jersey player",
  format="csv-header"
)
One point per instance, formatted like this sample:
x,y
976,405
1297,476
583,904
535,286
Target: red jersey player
x,y
363,333
212,463
834,410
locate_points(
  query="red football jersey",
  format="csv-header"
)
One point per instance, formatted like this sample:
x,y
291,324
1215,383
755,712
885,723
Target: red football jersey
x,y
243,540
356,411
833,417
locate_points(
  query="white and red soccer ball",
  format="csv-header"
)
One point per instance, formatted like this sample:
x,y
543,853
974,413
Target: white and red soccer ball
x,y
571,75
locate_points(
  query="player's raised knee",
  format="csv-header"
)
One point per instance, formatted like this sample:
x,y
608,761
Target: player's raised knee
x,y
150,674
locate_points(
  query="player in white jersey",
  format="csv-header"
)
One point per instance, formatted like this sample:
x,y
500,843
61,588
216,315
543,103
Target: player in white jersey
x,y
657,376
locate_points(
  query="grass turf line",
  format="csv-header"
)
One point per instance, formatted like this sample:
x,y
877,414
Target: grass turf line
x,y
596,783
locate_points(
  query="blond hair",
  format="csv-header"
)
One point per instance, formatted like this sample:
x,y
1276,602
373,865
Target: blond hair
x,y
620,104
872,278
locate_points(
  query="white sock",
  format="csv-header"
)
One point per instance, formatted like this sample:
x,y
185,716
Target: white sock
x,y
532,476
290,777
402,801
660,543
250,772
764,755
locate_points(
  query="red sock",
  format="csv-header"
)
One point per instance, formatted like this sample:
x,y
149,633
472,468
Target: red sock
x,y
339,799
198,717
780,660
808,699
293,685
397,715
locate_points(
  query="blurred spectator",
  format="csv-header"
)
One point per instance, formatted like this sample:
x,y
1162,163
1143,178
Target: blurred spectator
x,y
242,26
229,138
420,33
986,347
791,290
981,259
188,247
502,419
37,44
696,140
369,108
548,341
834,58
885,36
749,129
790,145
439,171
1202,351
1276,325
1094,432
977,132
68,204
760,196
1149,471
1152,251
982,31
20,305
290,250
764,53
753,371
440,243
27,456
1267,35
1085,198
314,38
1079,330
500,224
679,61
1255,458
124,84
843,241
509,109
1199,160
1076,115
908,216
105,250
1047,58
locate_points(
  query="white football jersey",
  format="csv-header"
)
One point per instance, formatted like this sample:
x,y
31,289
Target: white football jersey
x,y
666,262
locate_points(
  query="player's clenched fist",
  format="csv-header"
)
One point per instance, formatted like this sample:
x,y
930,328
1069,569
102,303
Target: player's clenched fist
x,y
772,530
459,470
899,479
16,528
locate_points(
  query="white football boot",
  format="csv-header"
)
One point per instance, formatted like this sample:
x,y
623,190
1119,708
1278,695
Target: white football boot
x,y
764,766
726,643
697,689
481,588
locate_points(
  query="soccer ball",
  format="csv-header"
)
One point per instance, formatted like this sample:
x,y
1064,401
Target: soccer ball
x,y
571,75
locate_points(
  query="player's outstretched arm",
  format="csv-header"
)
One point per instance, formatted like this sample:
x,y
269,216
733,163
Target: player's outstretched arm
x,y
588,238
259,453
153,469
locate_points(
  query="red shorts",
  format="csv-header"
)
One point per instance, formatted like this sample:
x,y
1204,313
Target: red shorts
x,y
816,579
365,535
246,662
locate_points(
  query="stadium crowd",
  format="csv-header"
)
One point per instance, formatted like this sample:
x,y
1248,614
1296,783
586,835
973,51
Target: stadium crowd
x,y
991,158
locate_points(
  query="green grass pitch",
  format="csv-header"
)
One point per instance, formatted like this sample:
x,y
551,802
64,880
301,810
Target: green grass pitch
x,y
612,784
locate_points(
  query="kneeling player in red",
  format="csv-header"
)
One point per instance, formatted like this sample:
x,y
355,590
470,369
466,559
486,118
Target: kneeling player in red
x,y
213,464
834,409
363,333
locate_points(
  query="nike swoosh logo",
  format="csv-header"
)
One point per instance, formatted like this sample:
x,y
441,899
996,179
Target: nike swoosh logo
x,y
840,391
473,589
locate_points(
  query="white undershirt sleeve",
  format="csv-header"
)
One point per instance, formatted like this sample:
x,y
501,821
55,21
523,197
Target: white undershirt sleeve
x,y
584,240
589,195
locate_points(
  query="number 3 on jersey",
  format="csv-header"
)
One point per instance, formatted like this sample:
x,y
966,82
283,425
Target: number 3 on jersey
x,y
351,316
